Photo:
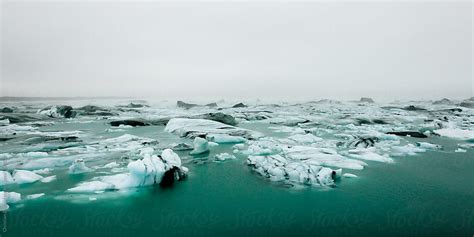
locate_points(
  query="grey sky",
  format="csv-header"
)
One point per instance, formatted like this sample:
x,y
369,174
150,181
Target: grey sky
x,y
390,50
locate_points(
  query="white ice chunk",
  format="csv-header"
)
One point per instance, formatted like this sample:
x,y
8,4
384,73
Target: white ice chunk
x,y
369,154
460,150
200,146
25,176
171,158
6,178
34,196
349,175
79,167
48,179
8,198
456,133
427,145
92,186
408,149
224,156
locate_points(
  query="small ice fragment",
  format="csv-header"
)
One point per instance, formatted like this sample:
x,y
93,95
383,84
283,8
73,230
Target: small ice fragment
x,y
427,145
460,150
201,145
224,156
79,167
349,175
34,196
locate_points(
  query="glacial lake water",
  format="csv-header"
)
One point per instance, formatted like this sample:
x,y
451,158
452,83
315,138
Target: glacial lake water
x,y
429,194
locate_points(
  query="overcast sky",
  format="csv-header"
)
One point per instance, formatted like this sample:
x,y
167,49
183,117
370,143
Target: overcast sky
x,y
389,50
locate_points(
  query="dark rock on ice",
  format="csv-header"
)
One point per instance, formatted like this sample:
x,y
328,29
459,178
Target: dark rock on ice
x,y
469,103
211,105
182,147
136,105
56,111
366,100
413,108
219,117
239,105
184,105
409,133
443,101
6,110
23,118
129,122
171,175
95,111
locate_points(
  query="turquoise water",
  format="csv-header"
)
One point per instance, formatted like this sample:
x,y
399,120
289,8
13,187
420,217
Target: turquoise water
x,y
430,194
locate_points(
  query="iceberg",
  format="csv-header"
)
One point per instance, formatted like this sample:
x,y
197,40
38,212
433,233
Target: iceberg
x,y
200,146
151,170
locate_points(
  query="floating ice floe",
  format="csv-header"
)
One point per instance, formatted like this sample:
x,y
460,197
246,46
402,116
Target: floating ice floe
x,y
369,154
201,127
456,133
34,196
201,145
150,170
25,176
19,177
8,198
460,150
277,168
407,150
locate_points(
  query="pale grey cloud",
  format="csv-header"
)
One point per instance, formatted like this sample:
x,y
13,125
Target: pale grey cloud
x,y
394,50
